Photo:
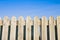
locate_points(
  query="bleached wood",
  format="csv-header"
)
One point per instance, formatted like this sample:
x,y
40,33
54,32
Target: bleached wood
x,y
44,28
0,25
28,28
36,28
21,24
58,27
0,21
13,28
51,28
6,23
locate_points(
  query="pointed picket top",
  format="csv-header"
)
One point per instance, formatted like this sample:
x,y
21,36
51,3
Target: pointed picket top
x,y
6,20
13,20
58,27
29,23
36,19
6,23
36,27
21,23
51,18
58,18
51,28
13,28
44,17
0,21
44,28
21,19
28,19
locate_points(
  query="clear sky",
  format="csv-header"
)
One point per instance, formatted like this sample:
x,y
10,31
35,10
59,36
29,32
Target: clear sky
x,y
29,8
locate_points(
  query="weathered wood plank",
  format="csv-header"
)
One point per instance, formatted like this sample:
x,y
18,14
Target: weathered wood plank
x,y
0,24
0,21
21,24
44,28
58,27
13,28
6,23
51,28
0,27
36,28
28,28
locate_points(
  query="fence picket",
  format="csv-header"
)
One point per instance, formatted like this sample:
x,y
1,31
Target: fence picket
x,y
58,27
36,28
0,27
0,21
44,28
51,28
28,28
13,28
21,24
6,23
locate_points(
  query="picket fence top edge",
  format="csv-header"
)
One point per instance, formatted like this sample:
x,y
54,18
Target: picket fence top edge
x,y
28,17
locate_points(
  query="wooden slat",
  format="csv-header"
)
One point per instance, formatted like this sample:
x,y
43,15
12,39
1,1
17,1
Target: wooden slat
x,y
6,23
51,28
44,28
36,28
58,27
13,28
0,21
21,24
0,27
28,28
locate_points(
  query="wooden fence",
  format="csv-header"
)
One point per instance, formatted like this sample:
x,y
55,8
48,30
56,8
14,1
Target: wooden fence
x,y
37,29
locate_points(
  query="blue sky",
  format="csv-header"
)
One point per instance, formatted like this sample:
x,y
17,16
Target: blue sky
x,y
29,8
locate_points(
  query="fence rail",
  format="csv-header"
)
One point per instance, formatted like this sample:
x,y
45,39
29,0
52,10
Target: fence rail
x,y
36,29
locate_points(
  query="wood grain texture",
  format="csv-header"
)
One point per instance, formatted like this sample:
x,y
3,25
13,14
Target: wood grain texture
x,y
0,21
51,28
58,27
13,28
6,23
30,24
21,23
28,28
0,27
44,28
36,28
